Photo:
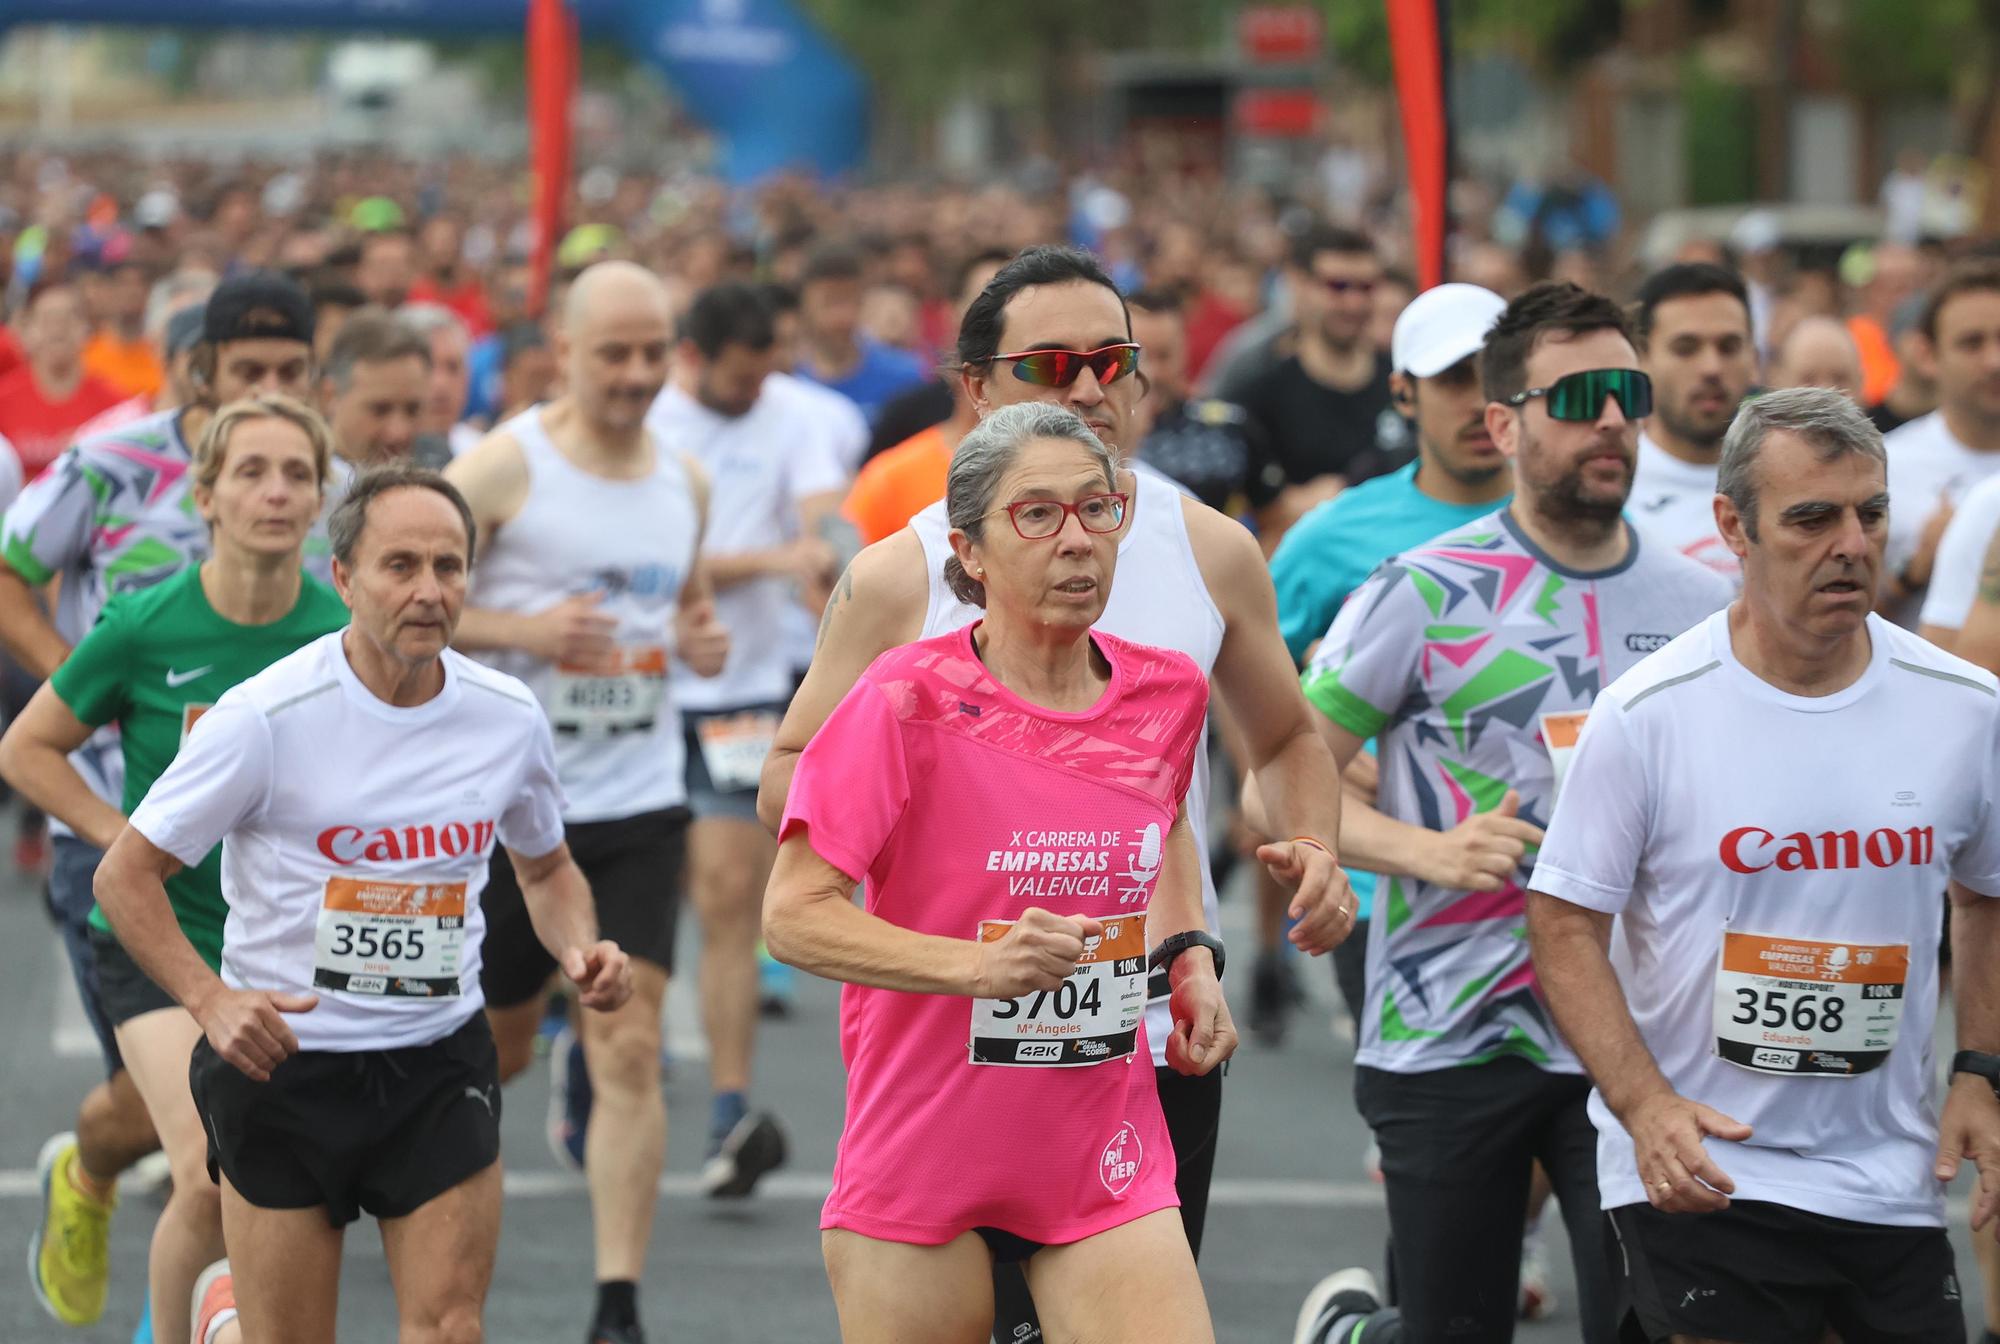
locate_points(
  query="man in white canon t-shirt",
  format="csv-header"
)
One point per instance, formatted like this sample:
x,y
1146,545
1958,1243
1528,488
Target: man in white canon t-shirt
x,y
1735,921
362,784
1051,326
590,589
1692,322
763,443
1937,461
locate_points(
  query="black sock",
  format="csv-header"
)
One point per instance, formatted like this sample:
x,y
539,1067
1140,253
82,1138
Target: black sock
x,y
617,1302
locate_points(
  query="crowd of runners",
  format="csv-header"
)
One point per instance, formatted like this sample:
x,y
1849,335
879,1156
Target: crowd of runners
x,y
1588,678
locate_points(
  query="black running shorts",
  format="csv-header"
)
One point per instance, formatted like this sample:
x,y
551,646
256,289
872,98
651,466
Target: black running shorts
x,y
1778,1275
385,1131
636,867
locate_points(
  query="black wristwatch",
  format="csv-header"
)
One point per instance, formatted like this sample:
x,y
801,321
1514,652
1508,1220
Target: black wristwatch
x,y
1157,985
1986,1066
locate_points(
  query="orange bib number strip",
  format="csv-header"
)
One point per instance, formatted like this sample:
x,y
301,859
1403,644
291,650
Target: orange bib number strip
x,y
1800,1006
1559,734
1090,1018
623,696
734,746
392,939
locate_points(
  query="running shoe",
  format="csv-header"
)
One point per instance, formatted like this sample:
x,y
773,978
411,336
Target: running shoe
x,y
569,1100
1538,1300
213,1303
1345,1292
69,1258
743,1156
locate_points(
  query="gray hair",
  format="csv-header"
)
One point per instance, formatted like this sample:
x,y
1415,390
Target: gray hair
x,y
350,517
1824,417
427,319
985,455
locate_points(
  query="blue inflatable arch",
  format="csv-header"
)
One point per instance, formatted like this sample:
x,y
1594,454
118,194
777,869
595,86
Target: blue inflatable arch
x,y
767,82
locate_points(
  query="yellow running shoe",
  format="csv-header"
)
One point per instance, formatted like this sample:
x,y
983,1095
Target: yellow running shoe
x,y
70,1257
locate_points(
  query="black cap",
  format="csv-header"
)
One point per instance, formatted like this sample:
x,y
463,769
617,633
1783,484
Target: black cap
x,y
262,305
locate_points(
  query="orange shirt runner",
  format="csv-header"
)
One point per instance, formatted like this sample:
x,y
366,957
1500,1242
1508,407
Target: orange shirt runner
x,y
899,483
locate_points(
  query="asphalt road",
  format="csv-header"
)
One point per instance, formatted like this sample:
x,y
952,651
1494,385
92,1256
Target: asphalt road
x,y
1291,1202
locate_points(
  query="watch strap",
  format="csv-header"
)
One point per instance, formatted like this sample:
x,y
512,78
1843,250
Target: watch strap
x,y
1157,984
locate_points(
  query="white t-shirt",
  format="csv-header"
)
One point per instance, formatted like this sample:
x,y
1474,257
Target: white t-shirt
x,y
1961,555
847,436
1723,820
355,833
760,466
1927,463
840,421
1674,503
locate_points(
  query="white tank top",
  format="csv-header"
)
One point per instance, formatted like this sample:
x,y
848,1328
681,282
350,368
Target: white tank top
x,y
619,750
1158,598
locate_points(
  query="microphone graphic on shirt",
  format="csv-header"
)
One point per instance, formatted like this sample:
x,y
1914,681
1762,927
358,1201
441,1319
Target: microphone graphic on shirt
x,y
1141,868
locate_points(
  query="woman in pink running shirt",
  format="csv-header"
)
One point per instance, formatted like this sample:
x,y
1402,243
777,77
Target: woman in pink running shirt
x,y
1000,1103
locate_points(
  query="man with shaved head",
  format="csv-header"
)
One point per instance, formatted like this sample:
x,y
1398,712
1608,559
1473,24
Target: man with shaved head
x,y
589,588
1818,352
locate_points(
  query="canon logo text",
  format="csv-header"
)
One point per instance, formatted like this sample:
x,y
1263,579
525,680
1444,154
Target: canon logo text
x,y
1752,849
396,844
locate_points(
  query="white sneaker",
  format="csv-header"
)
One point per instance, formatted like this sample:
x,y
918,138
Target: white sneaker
x,y
1345,1292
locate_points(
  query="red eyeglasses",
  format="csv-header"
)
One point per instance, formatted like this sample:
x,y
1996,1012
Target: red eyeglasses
x,y
1040,519
1059,368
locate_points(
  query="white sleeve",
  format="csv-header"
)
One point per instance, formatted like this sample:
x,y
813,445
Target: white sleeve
x,y
1960,557
532,825
220,779
1977,863
1590,854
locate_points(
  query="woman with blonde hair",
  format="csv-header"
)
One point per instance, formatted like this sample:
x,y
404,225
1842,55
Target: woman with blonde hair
x,y
156,659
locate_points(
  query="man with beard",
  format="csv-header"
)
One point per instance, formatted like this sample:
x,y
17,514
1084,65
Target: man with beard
x,y
1474,660
1694,331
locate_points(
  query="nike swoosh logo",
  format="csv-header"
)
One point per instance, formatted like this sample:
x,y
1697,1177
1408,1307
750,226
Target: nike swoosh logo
x,y
175,679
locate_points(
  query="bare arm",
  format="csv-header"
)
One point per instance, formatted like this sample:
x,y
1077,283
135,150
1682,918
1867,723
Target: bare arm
x,y
34,758
1481,853
807,559
811,922
1296,775
1176,904
1978,641
1970,1125
24,630
879,603
1570,945
131,886
1203,1033
1572,959
558,900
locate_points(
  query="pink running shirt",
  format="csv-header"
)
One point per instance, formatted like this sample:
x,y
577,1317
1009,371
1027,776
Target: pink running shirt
x,y
957,802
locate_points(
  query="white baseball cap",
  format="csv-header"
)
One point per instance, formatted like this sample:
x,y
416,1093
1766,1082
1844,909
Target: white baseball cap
x,y
1441,326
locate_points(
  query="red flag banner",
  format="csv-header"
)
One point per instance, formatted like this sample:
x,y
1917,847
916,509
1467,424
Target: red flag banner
x,y
552,67
1417,46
